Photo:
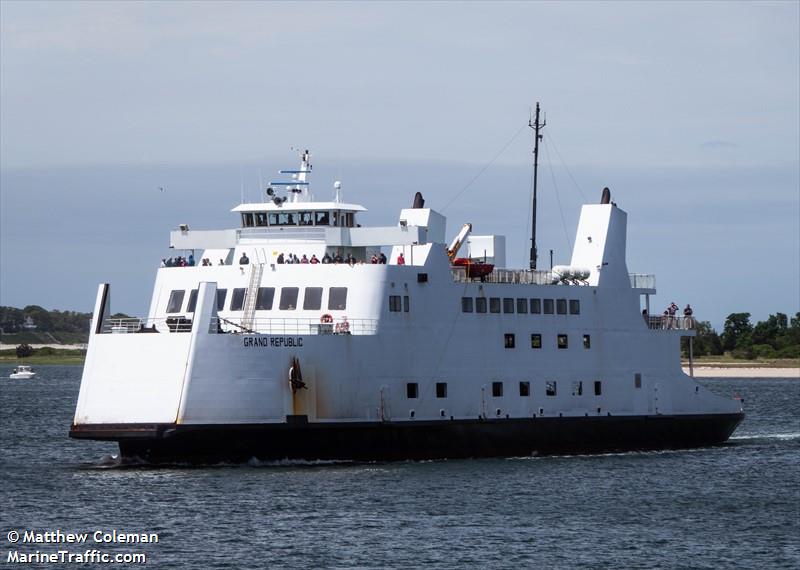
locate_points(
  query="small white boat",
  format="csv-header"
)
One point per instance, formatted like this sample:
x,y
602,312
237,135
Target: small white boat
x,y
22,372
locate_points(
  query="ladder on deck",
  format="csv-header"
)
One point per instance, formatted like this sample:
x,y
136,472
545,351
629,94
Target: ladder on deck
x,y
249,312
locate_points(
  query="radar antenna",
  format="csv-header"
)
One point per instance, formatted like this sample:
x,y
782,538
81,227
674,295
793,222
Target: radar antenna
x,y
536,126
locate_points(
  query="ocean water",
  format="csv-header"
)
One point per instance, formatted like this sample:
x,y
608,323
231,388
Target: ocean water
x,y
736,505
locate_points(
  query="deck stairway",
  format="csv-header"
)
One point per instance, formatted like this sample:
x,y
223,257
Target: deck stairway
x,y
249,312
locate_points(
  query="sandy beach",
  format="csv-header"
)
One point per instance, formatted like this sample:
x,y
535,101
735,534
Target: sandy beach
x,y
743,372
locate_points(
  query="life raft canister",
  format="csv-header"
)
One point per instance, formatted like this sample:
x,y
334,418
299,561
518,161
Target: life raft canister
x,y
326,318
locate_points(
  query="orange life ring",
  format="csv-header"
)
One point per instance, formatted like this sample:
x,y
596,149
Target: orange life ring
x,y
326,318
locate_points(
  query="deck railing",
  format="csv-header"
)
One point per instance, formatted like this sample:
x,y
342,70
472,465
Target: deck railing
x,y
518,276
222,325
666,322
143,325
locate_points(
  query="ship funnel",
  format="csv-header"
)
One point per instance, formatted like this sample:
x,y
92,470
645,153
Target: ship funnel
x,y
606,198
419,201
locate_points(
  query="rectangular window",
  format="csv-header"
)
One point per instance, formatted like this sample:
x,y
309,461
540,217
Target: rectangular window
x,y
441,389
412,390
497,389
577,388
494,304
574,307
637,380
337,298
522,306
288,298
598,387
394,304
563,341
548,306
480,305
509,338
587,342
247,220
536,306
221,294
237,299
536,340
466,304
264,299
508,305
175,301
312,299
192,302
525,389
406,303
561,306
550,388
261,219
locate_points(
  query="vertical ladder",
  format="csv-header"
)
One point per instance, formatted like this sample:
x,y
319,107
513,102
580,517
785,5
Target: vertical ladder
x,y
249,312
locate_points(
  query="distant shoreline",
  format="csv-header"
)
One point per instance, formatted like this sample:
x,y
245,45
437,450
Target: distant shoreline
x,y
753,371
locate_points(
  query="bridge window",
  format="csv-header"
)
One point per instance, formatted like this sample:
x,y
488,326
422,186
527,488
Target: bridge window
x,y
412,390
536,340
508,305
175,301
497,389
509,340
237,299
283,219
394,304
337,298
466,304
563,341
577,388
261,219
266,295
574,307
441,389
548,306
561,306
306,218
221,294
480,304
192,302
322,218
536,306
550,388
312,299
494,304
288,299
587,342
525,389
247,220
522,305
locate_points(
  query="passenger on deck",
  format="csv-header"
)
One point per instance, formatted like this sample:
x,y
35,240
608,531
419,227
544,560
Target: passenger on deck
x,y
374,259
337,258
382,259
280,258
314,259
401,260
191,260
163,262
687,315
305,259
221,262
244,260
294,259
326,258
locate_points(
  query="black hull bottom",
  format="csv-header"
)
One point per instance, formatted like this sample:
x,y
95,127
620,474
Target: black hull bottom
x,y
388,441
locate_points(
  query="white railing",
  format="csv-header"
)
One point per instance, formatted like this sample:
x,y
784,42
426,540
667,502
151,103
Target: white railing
x,y
141,325
642,281
308,233
222,325
667,322
518,276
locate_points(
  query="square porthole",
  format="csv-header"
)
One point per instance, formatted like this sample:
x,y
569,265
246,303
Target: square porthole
x,y
508,305
637,380
587,342
577,388
598,387
510,341
574,307
561,306
441,389
494,304
466,304
524,389
480,304
412,390
536,340
536,306
563,341
497,389
550,388
548,306
522,306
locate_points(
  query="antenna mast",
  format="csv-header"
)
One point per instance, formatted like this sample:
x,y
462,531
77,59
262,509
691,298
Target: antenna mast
x,y
536,126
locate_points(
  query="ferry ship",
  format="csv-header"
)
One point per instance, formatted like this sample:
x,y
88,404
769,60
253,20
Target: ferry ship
x,y
427,355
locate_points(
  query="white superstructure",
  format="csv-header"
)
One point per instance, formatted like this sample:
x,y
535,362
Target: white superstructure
x,y
252,342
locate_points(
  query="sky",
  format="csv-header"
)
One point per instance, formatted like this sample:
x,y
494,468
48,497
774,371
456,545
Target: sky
x,y
689,112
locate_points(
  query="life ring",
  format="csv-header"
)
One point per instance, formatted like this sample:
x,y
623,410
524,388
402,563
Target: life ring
x,y
326,318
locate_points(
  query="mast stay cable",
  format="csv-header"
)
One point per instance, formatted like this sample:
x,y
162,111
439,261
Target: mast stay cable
x,y
558,198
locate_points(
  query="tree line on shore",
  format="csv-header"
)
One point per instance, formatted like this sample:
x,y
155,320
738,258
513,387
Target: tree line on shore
x,y
777,337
